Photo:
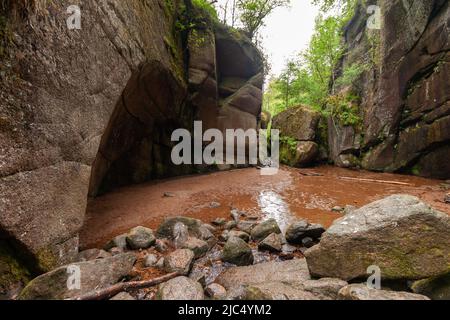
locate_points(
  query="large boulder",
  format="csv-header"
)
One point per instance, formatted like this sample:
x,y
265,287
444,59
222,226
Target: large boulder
x,y
363,292
180,288
94,275
299,153
299,123
401,235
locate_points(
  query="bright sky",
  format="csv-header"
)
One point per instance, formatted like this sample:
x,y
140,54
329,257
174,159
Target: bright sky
x,y
288,31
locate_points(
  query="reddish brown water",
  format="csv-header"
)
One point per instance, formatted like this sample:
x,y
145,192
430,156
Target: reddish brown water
x,y
284,196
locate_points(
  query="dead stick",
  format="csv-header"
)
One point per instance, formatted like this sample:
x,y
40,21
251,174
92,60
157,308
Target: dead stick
x,y
377,181
125,286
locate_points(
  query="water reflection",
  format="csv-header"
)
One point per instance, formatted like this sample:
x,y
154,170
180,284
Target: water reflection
x,y
274,207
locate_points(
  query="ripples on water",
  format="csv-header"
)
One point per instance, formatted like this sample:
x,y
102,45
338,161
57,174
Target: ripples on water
x,y
274,207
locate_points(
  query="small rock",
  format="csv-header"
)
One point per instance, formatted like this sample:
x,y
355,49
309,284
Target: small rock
x,y
315,231
180,234
214,205
230,225
447,198
219,222
296,231
161,245
224,236
216,291
349,210
140,238
166,231
308,242
363,292
211,228
150,260
123,296
236,215
93,254
180,288
116,251
238,252
117,242
272,243
253,218
198,276
240,234
160,264
246,226
169,195
180,260
264,229
337,209
199,247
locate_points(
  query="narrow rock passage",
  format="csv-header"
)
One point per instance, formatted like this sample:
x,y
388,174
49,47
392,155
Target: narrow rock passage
x,y
305,193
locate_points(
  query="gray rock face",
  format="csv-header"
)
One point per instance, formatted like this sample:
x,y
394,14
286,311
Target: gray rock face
x,y
180,288
238,252
400,234
140,238
272,243
246,226
287,271
288,280
362,292
199,247
299,123
180,260
264,229
94,275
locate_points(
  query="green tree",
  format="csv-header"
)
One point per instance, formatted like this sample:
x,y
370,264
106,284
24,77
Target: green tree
x,y
253,13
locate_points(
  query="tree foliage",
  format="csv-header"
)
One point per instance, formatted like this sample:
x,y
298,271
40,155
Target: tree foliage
x,y
307,78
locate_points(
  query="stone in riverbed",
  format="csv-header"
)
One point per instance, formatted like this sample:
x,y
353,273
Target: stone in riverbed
x,y
165,230
296,231
216,291
447,198
308,242
95,275
264,229
117,242
161,245
315,231
199,247
180,260
240,234
92,254
219,222
246,226
150,260
230,225
272,243
237,251
402,235
140,238
363,292
180,288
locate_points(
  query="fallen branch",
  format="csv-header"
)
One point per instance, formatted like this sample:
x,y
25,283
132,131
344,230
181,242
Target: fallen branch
x,y
110,292
377,181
